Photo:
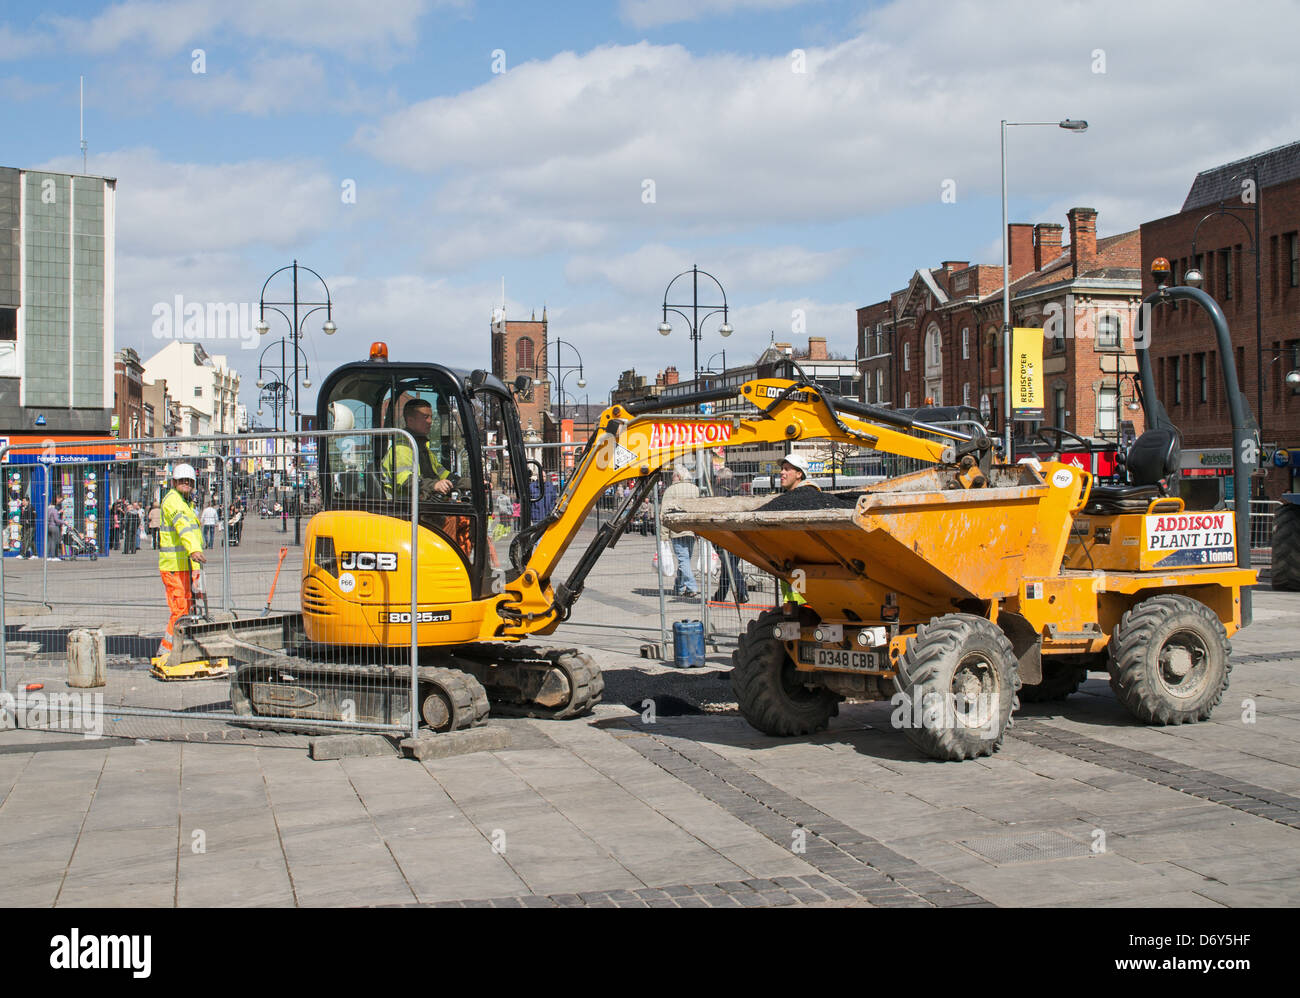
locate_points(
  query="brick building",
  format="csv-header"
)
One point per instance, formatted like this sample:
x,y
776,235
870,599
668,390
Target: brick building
x,y
1185,357
519,347
128,396
938,341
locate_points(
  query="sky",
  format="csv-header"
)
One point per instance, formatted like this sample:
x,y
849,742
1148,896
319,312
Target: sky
x,y
810,154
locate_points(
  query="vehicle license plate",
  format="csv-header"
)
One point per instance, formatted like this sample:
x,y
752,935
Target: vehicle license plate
x,y
838,658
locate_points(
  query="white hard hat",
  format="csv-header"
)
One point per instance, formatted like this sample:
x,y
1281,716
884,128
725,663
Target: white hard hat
x,y
341,417
796,461
183,472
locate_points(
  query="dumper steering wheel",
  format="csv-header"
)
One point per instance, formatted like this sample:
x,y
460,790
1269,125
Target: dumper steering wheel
x,y
1042,432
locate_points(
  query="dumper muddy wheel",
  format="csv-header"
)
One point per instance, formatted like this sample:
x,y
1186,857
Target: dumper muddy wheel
x,y
1169,660
1286,548
773,696
958,678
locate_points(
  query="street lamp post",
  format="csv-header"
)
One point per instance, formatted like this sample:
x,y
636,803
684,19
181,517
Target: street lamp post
x,y
561,372
694,320
296,333
1071,125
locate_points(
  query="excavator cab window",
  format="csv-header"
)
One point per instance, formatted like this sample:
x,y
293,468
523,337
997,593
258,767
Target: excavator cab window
x,y
373,472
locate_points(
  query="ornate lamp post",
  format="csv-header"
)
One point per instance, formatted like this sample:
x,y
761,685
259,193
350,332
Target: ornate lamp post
x,y
694,320
296,333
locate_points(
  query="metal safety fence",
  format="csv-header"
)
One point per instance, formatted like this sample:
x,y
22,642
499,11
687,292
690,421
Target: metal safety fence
x,y
1262,514
89,590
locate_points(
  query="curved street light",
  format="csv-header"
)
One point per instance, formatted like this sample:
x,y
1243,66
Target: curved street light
x,y
1070,125
695,320
296,333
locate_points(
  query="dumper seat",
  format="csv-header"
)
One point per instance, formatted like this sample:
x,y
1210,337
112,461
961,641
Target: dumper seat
x,y
1153,457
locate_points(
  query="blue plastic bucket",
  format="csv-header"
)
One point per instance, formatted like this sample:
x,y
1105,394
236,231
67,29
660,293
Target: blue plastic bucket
x,y
688,644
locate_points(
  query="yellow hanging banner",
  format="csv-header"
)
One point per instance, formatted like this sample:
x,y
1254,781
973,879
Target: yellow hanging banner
x,y
1027,373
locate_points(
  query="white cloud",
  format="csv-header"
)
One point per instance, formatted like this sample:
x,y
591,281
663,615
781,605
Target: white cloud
x,y
645,271
656,13
877,123
378,26
187,208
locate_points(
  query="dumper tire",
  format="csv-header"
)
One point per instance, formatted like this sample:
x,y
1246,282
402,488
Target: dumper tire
x,y
950,663
1286,548
772,695
1169,660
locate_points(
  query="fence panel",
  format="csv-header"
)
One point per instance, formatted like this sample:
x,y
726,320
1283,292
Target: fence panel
x,y
252,499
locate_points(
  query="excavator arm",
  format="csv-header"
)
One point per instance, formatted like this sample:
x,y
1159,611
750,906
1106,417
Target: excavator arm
x,y
636,440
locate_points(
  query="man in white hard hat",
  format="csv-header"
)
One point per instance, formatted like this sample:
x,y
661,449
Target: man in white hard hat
x,y
794,475
180,550
794,472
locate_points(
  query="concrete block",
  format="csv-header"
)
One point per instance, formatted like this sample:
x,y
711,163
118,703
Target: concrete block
x,y
86,658
350,746
440,746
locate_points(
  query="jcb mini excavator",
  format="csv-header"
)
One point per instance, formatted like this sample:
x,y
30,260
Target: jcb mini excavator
x,y
484,572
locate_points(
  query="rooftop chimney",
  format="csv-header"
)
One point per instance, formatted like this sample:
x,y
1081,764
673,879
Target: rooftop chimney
x,y
1083,238
1047,243
1020,237
817,348
671,376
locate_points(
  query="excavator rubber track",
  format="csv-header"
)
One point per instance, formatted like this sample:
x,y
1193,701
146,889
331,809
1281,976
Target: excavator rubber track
x,y
586,684
290,687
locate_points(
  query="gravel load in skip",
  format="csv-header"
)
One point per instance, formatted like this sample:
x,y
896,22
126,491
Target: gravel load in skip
x,y
807,498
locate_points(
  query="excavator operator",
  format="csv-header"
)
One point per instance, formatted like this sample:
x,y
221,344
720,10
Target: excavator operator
x,y
434,480
418,416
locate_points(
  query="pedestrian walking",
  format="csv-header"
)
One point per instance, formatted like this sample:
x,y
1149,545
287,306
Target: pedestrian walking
x,y
209,521
180,552
27,524
53,531
155,522
131,529
115,525
683,542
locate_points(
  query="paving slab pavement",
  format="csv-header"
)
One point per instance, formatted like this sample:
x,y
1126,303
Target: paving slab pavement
x,y
695,809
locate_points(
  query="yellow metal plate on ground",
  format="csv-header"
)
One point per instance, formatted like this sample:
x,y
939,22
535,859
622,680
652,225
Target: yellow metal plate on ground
x,y
201,669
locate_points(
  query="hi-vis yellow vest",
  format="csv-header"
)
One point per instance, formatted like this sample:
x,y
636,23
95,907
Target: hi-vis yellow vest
x,y
179,536
401,457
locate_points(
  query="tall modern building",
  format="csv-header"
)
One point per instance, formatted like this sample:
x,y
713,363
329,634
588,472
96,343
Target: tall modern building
x,y
56,305
56,343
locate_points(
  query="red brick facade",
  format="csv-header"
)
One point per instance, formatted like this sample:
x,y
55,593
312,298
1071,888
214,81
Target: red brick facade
x,y
519,347
1183,345
947,346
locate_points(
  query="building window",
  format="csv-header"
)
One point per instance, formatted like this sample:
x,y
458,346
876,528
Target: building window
x,y
1107,409
1109,335
1176,368
524,354
965,393
993,349
1225,266
1293,257
907,357
1202,378
965,343
198,392
907,400
1058,408
880,385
